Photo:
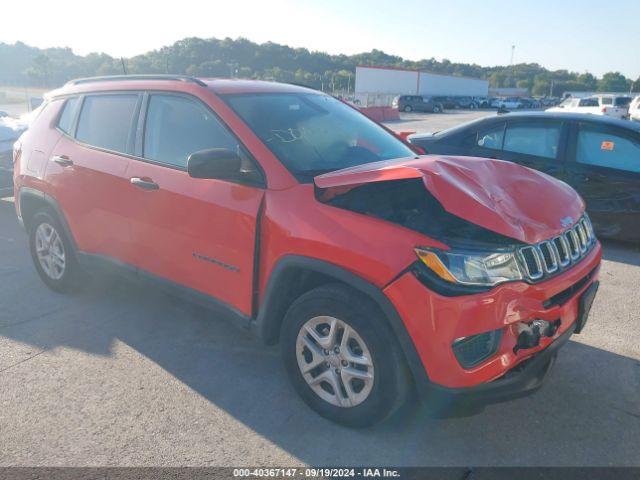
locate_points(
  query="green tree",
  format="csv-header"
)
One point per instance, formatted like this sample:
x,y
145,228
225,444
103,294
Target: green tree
x,y
613,82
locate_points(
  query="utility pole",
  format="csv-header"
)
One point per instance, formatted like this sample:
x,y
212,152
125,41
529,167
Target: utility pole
x,y
124,68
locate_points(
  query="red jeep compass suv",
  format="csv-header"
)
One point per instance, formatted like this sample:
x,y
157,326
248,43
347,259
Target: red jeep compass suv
x,y
377,270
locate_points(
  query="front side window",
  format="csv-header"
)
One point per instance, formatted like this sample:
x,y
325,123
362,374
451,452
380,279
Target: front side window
x,y
313,133
106,120
176,127
68,113
604,147
541,139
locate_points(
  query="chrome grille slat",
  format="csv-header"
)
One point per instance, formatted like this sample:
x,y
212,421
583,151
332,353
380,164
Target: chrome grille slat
x,y
562,250
548,255
559,253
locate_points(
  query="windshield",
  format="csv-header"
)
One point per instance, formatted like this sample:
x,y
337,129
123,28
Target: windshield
x,y
313,134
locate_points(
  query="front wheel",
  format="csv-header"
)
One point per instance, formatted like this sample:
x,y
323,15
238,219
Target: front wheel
x,y
437,109
341,357
408,108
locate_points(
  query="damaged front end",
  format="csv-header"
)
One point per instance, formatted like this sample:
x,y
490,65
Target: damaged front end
x,y
459,271
492,215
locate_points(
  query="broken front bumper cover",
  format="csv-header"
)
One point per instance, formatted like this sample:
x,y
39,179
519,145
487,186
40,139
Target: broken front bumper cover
x,y
521,380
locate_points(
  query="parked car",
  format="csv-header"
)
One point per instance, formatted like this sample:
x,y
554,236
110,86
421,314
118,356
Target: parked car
x,y
508,103
530,103
447,103
466,102
376,270
416,103
549,101
634,109
482,102
598,156
10,131
615,106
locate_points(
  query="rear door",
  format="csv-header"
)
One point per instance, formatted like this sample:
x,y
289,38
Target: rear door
x,y
604,167
87,170
198,233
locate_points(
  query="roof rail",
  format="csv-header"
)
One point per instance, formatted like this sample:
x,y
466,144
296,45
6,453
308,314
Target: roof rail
x,y
116,78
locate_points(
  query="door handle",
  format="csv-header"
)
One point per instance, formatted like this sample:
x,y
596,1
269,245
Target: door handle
x,y
144,184
62,160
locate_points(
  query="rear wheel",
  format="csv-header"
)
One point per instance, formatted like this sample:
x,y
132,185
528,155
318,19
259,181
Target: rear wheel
x,y
52,254
341,357
437,109
408,108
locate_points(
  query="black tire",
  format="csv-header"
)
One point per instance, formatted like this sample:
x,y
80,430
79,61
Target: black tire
x,y
391,383
437,109
472,106
73,276
408,108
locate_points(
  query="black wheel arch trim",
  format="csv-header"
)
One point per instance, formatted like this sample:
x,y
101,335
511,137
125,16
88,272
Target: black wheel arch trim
x,y
267,323
27,192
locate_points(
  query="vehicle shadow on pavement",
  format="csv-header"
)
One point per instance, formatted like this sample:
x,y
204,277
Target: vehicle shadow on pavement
x,y
588,413
621,252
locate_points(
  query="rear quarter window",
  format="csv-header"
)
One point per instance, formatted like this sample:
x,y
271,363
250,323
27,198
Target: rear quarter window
x,y
68,114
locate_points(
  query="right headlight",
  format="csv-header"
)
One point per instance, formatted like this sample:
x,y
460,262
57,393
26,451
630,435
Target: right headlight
x,y
481,268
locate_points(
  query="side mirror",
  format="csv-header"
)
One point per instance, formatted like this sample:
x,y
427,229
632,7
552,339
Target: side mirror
x,y
219,163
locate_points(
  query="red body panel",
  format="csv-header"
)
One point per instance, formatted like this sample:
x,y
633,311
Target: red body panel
x,y
202,233
180,230
93,194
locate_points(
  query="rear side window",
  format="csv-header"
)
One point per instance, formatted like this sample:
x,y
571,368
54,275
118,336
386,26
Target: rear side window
x,y
68,113
606,101
492,137
622,101
106,120
605,147
541,140
588,102
176,127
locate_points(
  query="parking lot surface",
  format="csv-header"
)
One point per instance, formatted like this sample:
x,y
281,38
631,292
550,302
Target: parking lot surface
x,y
122,374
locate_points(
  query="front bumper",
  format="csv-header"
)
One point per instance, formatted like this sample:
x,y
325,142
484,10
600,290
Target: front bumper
x,y
434,321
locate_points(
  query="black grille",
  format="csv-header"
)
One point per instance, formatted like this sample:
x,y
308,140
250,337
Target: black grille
x,y
531,262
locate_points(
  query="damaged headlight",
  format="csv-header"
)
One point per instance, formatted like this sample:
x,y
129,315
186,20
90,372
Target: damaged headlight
x,y
481,268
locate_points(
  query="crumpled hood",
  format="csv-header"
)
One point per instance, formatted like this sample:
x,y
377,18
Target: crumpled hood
x,y
500,196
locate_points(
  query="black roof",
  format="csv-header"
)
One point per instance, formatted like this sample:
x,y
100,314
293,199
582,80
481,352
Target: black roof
x,y
576,117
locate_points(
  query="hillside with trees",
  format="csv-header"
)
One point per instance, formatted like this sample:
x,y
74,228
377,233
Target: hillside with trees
x,y
23,65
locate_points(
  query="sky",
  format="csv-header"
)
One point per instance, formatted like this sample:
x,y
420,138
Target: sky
x,y
580,36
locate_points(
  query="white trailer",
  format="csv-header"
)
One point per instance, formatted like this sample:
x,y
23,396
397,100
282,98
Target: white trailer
x,y
383,83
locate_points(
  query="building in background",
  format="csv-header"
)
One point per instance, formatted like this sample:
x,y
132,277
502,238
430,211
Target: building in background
x,y
378,85
508,92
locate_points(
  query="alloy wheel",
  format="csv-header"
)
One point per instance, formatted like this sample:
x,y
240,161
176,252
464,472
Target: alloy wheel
x,y
335,361
50,251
